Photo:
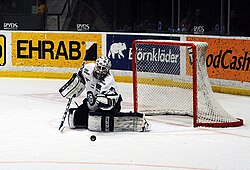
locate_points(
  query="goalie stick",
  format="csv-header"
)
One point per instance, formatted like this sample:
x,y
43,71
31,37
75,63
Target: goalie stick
x,y
65,114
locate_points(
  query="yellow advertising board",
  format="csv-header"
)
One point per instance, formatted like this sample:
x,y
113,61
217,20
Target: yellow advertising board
x,y
2,50
227,59
63,50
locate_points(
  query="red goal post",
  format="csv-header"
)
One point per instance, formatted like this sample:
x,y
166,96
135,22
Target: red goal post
x,y
170,77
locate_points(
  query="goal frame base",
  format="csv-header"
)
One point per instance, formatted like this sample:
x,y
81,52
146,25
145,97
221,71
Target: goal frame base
x,y
221,125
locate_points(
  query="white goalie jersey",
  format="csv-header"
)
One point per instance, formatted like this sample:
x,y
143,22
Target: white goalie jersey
x,y
100,93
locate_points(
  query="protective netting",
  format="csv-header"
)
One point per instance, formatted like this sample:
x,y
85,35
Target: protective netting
x,y
164,82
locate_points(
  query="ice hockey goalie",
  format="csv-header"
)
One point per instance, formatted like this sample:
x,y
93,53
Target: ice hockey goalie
x,y
100,110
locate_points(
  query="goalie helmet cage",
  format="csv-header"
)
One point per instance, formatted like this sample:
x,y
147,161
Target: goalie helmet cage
x,y
166,82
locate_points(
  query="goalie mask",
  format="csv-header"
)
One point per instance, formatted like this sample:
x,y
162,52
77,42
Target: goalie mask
x,y
102,67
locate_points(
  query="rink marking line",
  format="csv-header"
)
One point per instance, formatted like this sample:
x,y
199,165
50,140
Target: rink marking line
x,y
225,133
201,128
102,163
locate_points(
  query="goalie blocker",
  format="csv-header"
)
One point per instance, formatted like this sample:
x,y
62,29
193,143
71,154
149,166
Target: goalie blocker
x,y
122,121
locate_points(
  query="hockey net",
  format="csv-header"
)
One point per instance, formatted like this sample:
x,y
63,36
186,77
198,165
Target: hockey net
x,y
170,77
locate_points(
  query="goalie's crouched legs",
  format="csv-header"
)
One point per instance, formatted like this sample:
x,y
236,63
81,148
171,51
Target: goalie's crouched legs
x,y
122,121
78,117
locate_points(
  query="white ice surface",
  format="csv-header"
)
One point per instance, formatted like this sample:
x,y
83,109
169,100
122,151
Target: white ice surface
x,y
31,110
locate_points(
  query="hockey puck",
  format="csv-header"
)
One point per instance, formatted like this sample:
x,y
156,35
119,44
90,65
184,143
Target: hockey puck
x,y
93,138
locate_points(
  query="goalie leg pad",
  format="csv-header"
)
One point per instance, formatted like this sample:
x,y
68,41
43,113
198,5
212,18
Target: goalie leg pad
x,y
71,120
103,121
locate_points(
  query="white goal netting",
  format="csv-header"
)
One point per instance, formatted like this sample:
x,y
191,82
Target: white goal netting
x,y
170,77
